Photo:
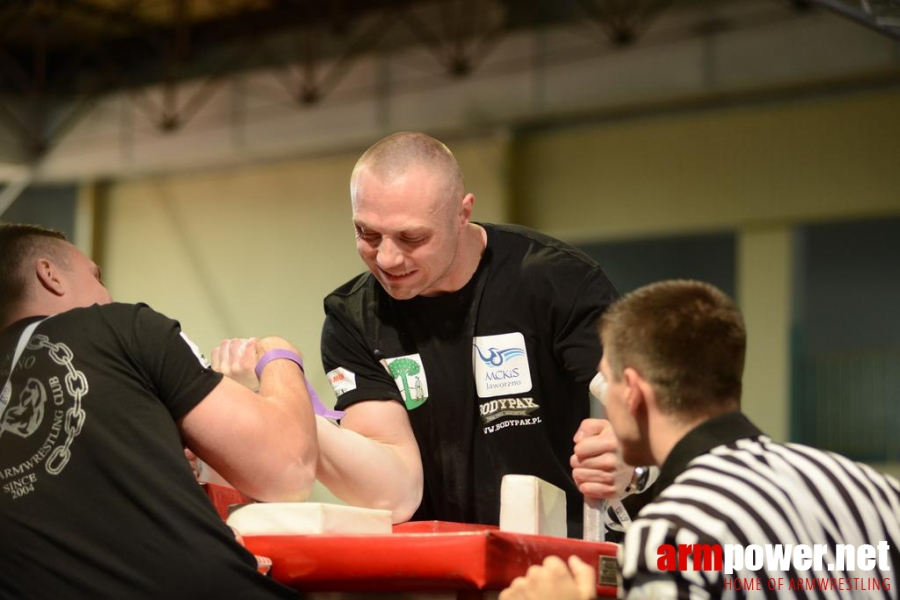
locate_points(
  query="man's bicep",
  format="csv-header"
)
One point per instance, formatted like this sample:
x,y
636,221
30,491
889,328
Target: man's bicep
x,y
373,458
385,421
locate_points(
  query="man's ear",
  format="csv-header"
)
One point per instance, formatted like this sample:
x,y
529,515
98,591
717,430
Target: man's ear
x,y
467,202
638,390
50,276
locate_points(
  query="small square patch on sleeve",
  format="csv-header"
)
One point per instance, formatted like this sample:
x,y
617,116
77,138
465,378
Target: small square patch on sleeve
x,y
342,381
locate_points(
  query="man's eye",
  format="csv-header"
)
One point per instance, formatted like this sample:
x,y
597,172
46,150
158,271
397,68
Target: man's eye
x,y
415,240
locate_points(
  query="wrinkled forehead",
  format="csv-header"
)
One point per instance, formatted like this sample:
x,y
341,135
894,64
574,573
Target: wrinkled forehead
x,y
414,198
419,172
402,221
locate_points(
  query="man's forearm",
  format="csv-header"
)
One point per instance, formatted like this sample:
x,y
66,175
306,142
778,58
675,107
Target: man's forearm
x,y
368,472
264,444
291,432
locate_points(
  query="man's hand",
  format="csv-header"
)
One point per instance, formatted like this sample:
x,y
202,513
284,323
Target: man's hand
x,y
237,358
554,580
265,344
597,465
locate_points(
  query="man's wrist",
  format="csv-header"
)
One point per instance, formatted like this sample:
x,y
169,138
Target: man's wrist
x,y
278,353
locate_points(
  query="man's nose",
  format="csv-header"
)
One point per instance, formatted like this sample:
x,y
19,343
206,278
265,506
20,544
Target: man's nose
x,y
389,256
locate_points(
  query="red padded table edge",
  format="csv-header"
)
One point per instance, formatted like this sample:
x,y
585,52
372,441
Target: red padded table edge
x,y
437,556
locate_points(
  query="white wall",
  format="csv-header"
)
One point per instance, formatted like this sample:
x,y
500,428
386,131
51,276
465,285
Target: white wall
x,y
764,294
828,157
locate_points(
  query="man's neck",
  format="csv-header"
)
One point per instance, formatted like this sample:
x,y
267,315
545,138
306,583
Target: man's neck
x,y
669,429
471,248
28,310
474,243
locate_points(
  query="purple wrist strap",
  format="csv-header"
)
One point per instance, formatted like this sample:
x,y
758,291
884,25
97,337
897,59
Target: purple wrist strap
x,y
319,408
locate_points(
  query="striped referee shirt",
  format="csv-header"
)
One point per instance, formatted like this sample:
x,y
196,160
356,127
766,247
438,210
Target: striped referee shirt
x,y
727,484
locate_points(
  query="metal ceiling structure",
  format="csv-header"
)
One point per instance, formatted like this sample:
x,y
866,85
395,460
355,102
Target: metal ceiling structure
x,y
58,56
880,15
57,53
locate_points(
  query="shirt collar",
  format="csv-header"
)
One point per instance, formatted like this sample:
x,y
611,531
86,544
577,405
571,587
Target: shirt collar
x,y
722,429
15,329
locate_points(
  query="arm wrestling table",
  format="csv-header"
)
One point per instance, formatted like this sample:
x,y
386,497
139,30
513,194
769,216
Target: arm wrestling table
x,y
430,559
427,559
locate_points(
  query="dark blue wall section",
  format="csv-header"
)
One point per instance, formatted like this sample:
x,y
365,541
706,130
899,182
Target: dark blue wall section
x,y
631,264
846,339
50,206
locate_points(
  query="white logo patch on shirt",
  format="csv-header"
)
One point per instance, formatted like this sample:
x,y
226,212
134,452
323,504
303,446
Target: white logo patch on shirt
x,y
195,350
342,381
500,365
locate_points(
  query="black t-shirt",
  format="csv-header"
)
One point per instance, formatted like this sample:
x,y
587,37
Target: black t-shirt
x,y
96,497
495,376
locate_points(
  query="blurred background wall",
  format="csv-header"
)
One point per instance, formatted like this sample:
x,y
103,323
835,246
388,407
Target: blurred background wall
x,y
754,145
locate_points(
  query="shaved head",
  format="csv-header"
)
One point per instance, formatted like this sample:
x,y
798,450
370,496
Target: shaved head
x,y
411,215
396,155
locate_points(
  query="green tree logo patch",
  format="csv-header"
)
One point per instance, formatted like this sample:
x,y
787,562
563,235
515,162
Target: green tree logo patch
x,y
409,374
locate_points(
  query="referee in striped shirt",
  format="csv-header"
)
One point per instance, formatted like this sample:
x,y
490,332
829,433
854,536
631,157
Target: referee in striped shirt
x,y
737,515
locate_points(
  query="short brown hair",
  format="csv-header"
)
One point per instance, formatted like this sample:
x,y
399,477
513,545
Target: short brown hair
x,y
687,338
19,245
